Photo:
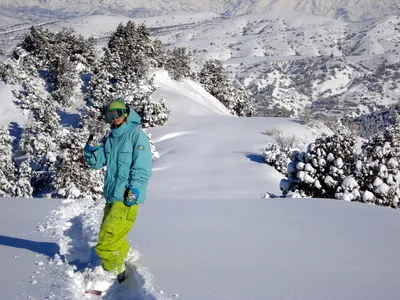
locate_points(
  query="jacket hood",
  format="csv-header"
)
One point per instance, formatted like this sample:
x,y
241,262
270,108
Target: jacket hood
x,y
133,117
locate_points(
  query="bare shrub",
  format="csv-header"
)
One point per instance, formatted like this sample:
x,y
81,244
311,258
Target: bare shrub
x,y
305,116
283,141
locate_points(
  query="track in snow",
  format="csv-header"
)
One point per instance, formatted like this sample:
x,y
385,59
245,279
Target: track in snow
x,y
75,225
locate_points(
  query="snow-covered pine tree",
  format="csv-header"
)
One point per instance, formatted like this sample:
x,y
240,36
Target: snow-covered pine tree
x,y
178,63
42,109
348,189
40,136
377,168
124,73
153,113
60,57
130,41
72,177
3,71
244,106
320,170
72,56
216,81
37,43
277,157
80,51
7,165
23,186
233,96
45,46
64,80
19,70
154,154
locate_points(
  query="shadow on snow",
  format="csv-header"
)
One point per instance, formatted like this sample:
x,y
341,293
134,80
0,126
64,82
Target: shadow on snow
x,y
45,248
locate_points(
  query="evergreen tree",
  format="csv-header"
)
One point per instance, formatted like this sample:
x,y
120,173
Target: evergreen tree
x,y
17,71
320,171
178,63
232,95
61,57
130,42
7,166
46,47
72,55
63,79
36,43
23,187
277,156
72,177
79,50
3,71
124,73
377,168
40,136
243,104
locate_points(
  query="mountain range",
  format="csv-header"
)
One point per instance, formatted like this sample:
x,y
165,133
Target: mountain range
x,y
338,9
287,61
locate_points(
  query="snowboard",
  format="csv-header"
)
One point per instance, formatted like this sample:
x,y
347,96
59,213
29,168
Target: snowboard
x,y
99,293
129,285
94,292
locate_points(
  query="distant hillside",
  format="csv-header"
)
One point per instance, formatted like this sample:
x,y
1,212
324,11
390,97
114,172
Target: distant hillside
x,y
337,9
287,61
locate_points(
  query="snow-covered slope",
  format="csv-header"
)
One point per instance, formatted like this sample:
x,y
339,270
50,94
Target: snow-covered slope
x,y
204,231
352,10
201,130
25,251
9,112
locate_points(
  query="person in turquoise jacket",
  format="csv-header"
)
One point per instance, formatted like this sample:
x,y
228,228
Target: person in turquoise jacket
x,y
126,153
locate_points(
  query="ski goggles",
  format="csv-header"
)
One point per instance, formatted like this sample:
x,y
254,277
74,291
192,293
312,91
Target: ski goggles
x,y
114,114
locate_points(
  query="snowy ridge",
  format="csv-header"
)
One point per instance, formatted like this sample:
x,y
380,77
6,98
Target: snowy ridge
x,y
201,102
75,225
347,10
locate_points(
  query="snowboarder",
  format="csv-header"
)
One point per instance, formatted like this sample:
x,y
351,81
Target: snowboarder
x,y
126,153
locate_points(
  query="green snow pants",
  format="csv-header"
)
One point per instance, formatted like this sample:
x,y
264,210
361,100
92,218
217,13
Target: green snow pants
x,y
112,245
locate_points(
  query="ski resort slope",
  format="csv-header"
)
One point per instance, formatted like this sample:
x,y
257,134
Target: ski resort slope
x,y
204,231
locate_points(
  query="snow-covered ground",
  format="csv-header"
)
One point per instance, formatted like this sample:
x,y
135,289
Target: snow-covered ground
x,y
25,252
9,112
204,231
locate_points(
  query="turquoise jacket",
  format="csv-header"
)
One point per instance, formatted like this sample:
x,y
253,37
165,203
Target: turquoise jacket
x,y
126,153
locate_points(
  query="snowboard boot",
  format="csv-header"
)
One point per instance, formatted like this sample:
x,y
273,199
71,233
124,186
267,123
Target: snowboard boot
x,y
121,277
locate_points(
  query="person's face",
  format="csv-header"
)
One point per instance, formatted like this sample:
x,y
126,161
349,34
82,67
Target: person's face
x,y
117,122
115,117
